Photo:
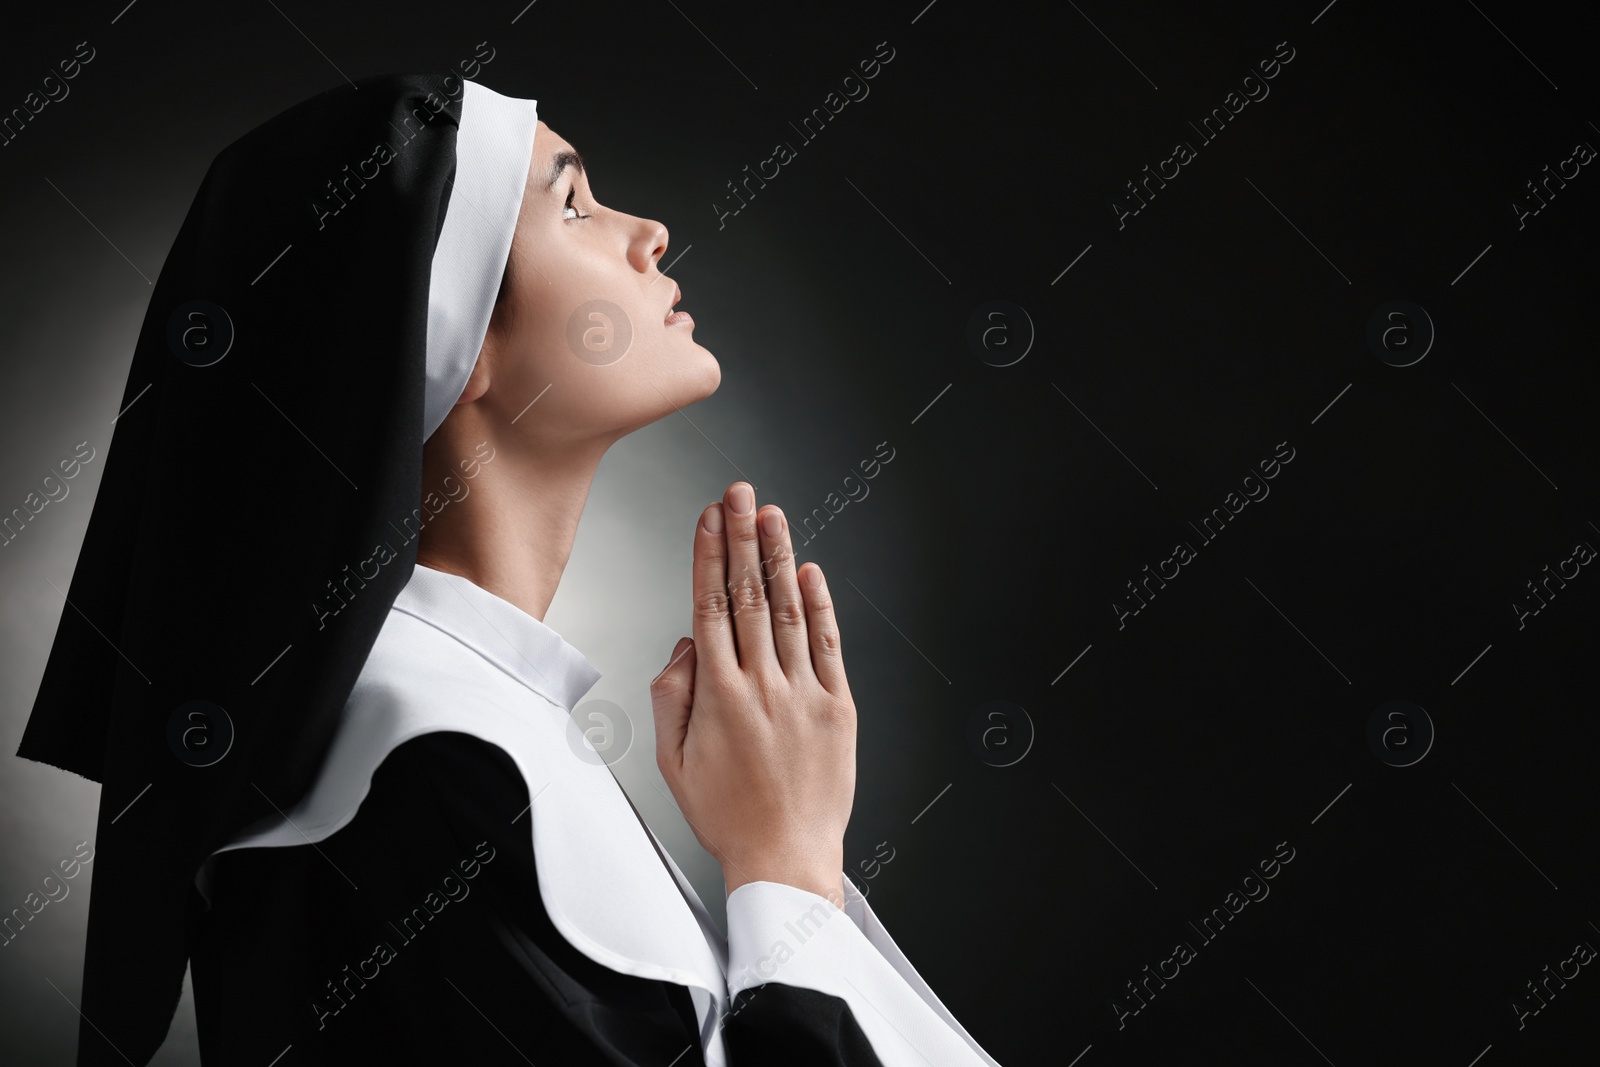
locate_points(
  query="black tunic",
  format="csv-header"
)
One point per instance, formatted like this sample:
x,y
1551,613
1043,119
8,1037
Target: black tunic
x,y
416,934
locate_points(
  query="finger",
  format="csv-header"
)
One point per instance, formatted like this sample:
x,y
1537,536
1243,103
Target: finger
x,y
747,589
671,697
783,593
823,631
713,630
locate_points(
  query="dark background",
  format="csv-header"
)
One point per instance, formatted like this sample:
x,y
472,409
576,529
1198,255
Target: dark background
x,y
1152,766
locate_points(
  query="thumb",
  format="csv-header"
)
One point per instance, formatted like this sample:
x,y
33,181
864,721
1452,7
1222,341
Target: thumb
x,y
671,696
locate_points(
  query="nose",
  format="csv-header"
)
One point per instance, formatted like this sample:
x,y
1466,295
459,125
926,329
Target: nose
x,y
649,244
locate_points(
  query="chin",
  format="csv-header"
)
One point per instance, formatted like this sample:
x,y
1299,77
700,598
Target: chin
x,y
694,385
702,374
713,376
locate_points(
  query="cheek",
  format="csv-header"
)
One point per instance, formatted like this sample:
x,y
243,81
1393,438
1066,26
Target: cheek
x,y
569,313
601,333
536,352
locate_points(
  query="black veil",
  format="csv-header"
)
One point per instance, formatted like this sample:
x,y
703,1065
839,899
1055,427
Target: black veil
x,y
270,440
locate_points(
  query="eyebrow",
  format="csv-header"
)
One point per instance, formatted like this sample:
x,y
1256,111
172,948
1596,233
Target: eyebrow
x,y
560,163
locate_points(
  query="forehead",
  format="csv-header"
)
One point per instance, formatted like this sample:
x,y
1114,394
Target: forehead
x,y
547,142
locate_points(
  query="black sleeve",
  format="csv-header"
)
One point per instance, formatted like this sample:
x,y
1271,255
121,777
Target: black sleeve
x,y
772,1025
781,1025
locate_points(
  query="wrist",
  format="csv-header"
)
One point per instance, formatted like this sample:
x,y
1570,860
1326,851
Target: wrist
x,y
825,883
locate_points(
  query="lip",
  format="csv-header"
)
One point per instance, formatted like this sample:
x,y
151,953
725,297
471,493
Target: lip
x,y
675,316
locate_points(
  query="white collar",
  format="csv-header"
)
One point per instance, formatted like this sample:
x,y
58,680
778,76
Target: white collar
x,y
500,632
602,883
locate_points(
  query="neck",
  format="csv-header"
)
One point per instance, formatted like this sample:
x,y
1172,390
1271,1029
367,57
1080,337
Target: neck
x,y
510,525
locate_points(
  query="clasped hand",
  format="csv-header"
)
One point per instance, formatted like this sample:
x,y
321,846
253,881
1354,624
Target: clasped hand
x,y
755,725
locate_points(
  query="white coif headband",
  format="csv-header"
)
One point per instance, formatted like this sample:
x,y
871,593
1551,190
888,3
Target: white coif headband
x,y
494,147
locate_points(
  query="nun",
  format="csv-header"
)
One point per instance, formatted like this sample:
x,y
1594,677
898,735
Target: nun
x,y
303,650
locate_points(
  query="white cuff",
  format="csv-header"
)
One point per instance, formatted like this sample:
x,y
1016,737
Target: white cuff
x,y
781,933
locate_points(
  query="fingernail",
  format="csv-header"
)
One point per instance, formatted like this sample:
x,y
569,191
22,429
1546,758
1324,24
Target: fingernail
x,y
814,578
742,499
772,524
712,519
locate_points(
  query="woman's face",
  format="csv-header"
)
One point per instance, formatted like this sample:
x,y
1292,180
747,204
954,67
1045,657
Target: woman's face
x,y
582,325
